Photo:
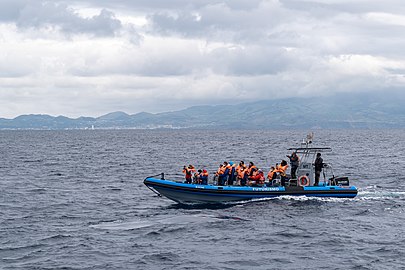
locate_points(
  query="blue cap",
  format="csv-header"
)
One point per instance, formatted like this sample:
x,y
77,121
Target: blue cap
x,y
231,162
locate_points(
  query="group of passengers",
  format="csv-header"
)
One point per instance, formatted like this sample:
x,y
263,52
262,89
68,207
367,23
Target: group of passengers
x,y
199,177
230,174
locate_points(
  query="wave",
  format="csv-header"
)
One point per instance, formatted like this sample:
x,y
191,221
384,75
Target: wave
x,y
20,248
174,220
380,194
302,199
162,257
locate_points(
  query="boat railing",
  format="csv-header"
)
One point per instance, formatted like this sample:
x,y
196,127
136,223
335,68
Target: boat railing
x,y
161,175
310,149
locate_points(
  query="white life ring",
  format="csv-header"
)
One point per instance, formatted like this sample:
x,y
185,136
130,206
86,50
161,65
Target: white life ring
x,y
303,181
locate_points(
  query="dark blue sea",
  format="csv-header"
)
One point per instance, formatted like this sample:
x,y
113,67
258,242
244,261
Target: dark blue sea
x,y
75,200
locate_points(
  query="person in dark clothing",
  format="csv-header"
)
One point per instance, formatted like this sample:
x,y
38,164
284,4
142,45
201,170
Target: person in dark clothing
x,y
232,175
223,177
249,173
272,175
294,162
204,177
188,171
318,168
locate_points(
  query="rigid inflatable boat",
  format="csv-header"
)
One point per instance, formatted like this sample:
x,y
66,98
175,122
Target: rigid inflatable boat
x,y
331,186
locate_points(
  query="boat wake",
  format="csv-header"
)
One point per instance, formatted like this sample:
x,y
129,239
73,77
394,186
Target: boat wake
x,y
303,199
378,193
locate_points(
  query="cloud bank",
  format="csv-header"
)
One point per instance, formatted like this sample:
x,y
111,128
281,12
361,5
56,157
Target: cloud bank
x,y
92,57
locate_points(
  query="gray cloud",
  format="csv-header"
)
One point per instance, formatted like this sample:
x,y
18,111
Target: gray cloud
x,y
10,9
159,55
160,5
43,14
220,22
325,8
53,14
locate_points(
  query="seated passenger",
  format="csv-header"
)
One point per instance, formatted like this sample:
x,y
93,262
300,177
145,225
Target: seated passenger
x,y
223,179
232,175
240,172
219,172
248,173
282,169
272,175
251,179
197,177
204,177
260,178
222,173
257,178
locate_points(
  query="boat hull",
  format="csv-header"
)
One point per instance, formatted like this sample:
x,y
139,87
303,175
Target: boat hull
x,y
194,193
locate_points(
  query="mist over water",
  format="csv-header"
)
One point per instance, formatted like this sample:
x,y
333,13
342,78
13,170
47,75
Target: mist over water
x,y
75,200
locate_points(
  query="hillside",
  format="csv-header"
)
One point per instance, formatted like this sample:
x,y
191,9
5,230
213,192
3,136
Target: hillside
x,y
323,112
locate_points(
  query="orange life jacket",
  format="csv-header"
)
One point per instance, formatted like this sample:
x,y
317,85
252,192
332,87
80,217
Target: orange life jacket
x,y
282,169
270,175
240,170
241,173
258,177
232,167
187,172
192,169
249,170
220,170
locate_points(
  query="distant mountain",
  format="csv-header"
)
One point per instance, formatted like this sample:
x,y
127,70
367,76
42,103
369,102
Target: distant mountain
x,y
354,111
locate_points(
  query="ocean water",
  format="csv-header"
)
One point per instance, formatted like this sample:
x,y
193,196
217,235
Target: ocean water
x,y
75,200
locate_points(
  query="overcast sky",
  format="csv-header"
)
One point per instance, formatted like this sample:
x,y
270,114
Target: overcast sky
x,y
92,57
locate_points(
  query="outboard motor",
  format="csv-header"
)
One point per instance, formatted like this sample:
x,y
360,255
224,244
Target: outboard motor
x,y
340,181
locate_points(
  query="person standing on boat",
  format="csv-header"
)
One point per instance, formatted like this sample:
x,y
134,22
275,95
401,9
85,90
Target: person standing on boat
x,y
294,162
318,168
188,171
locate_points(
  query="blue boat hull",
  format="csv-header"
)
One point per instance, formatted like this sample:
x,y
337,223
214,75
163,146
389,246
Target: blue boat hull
x,y
194,193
